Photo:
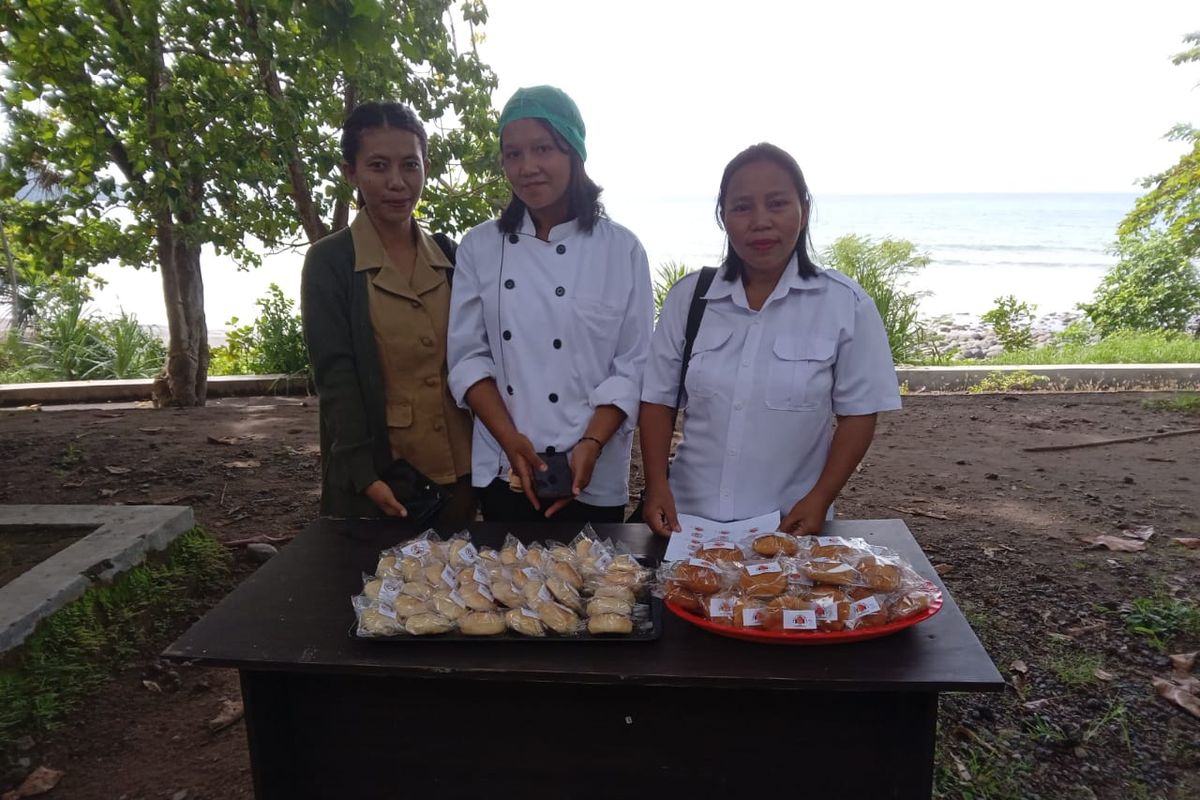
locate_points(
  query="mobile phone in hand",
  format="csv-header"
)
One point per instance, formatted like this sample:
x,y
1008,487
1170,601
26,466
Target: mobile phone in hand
x,y
555,482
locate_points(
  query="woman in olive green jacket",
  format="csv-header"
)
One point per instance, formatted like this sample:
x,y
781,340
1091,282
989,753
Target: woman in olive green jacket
x,y
375,301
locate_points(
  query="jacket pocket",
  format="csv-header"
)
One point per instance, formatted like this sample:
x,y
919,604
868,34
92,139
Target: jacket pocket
x,y
800,374
399,415
596,328
709,352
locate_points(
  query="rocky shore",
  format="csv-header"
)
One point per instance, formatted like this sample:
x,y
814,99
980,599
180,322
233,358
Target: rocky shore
x,y
975,339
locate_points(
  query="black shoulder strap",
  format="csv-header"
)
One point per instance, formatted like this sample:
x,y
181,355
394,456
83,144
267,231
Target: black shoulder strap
x,y
450,248
695,315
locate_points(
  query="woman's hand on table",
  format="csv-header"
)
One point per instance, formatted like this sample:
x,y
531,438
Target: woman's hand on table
x,y
583,462
808,515
523,459
658,510
381,495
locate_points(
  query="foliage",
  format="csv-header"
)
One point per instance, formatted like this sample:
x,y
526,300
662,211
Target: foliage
x,y
1173,202
1012,321
1186,403
77,649
1122,347
1073,667
273,344
124,349
882,269
1154,287
669,273
1161,618
1018,381
65,333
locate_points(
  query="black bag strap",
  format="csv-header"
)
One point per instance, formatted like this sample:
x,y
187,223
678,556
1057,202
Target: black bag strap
x,y
450,249
695,315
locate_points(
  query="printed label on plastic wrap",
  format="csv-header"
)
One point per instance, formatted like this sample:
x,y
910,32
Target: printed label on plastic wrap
x,y
525,612
721,544
805,620
388,590
544,595
826,610
449,577
861,608
826,541
752,617
468,553
761,569
387,611
417,549
700,562
480,575
486,592
720,607
521,551
531,573
458,599
602,562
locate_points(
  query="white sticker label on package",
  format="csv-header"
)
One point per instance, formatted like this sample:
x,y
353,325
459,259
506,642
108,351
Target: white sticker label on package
x,y
527,613
720,607
603,561
417,549
448,576
468,553
721,544
826,541
799,620
521,551
387,611
861,608
458,600
480,575
760,569
751,617
826,610
486,592
700,562
388,590
544,595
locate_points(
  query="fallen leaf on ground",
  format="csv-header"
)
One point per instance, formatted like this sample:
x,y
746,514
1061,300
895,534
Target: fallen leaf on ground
x,y
989,551
943,569
964,774
242,464
226,440
152,686
40,781
108,492
1183,662
1176,694
231,711
1191,544
150,430
1079,630
118,470
1103,675
1141,534
1019,666
1117,543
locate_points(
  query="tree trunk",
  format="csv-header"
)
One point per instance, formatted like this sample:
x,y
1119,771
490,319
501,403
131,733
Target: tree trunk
x,y
184,379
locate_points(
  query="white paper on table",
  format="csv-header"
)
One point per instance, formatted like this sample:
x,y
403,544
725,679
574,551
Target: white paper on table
x,y
697,531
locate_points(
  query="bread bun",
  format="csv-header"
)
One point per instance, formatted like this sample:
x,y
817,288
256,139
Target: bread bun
x,y
481,623
774,544
721,553
524,622
610,623
699,576
685,599
763,579
428,624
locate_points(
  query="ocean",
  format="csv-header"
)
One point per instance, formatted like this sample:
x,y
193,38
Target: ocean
x,y
1049,250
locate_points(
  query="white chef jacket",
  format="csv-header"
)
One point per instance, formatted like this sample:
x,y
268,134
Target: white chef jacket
x,y
763,387
563,326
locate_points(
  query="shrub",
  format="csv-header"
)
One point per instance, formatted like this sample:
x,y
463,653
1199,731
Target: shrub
x,y
1154,287
669,273
882,268
65,332
1020,381
1012,322
273,343
124,349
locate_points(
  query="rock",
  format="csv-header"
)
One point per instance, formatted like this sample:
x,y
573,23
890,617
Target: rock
x,y
261,551
991,476
182,794
993,351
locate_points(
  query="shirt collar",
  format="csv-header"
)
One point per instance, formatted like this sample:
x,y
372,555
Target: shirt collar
x,y
369,252
558,233
788,281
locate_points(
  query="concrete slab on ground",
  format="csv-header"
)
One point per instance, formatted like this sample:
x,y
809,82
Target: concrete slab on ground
x,y
123,537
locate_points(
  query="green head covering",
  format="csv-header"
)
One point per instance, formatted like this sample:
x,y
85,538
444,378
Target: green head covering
x,y
554,106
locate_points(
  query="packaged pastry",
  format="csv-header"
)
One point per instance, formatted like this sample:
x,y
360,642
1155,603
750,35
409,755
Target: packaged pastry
x,y
513,552
377,620
832,571
382,590
720,551
475,574
564,593
566,572
481,623
608,605
748,612
535,592
489,557
422,548
775,544
609,623
774,614
869,612
623,593
762,578
411,568
535,555
477,596
697,575
624,570
687,600
719,607
450,604
880,574
427,624
558,618
523,575
435,572
417,589
524,622
508,595
910,603
387,567
462,553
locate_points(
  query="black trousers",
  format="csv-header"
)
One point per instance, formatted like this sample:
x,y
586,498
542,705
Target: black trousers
x,y
501,504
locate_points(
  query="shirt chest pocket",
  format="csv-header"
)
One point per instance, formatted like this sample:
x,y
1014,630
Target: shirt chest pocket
x,y
800,373
710,351
595,328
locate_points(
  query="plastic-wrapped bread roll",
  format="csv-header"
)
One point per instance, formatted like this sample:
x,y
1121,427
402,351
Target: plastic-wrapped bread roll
x,y
417,589
386,568
462,553
564,593
489,556
535,592
373,622
524,622
428,624
512,554
371,589
557,618
411,569
524,575
481,623
721,551
433,572
610,623
688,601
608,605
619,592
561,553
698,575
774,544
535,556
566,572
748,612
625,571
477,597
763,578
878,574
506,594
827,570
449,604
407,605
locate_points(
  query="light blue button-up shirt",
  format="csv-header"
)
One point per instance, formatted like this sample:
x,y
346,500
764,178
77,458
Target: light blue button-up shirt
x,y
563,326
763,387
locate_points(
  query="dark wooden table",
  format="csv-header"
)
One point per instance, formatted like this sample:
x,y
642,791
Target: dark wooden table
x,y
691,715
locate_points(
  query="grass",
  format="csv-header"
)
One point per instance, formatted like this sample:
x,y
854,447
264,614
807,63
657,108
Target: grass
x,y
1126,347
77,649
1019,381
1075,668
990,774
1161,618
1186,403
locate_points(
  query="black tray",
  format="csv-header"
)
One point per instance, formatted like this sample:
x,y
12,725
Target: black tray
x,y
651,633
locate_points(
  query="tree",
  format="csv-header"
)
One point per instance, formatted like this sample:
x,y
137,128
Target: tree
x,y
1153,287
1173,201
172,125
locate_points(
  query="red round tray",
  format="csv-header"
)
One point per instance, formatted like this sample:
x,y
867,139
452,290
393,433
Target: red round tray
x,y
800,637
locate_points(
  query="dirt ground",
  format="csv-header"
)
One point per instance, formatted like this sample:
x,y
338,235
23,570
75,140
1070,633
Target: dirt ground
x,y
1079,719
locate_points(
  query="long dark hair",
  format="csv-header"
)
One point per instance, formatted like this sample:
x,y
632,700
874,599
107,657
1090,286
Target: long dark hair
x,y
583,194
733,265
380,115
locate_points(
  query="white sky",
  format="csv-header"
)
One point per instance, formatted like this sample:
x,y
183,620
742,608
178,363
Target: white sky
x,y
870,97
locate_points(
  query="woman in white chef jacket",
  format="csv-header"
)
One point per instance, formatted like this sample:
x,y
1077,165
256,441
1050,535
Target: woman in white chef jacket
x,y
550,324
784,348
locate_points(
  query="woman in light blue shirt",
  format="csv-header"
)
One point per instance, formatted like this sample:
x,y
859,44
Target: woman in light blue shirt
x,y
784,349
